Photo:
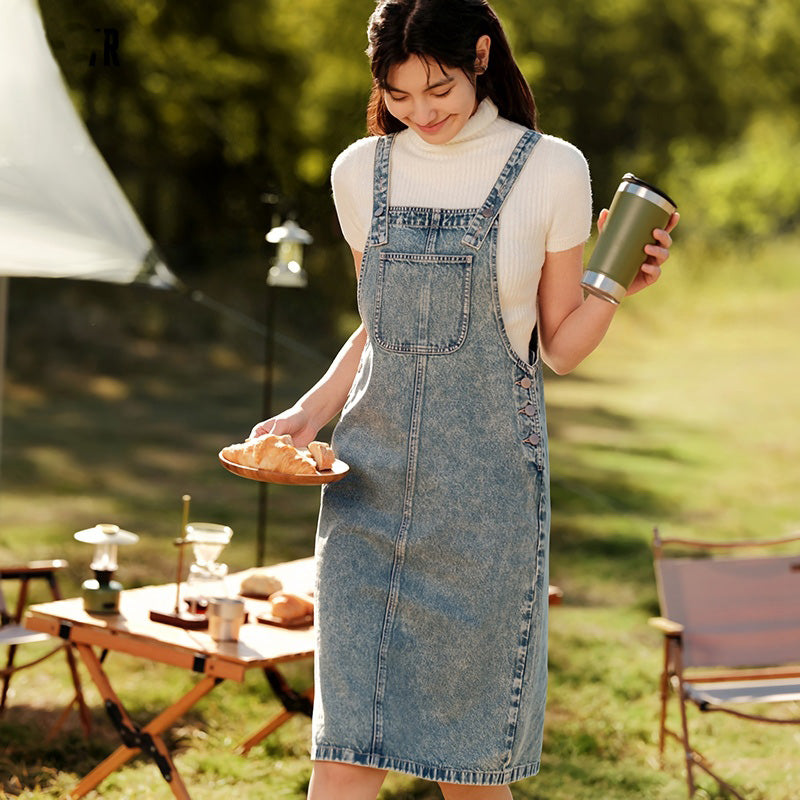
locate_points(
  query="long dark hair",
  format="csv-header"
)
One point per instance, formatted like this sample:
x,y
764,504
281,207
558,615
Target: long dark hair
x,y
445,32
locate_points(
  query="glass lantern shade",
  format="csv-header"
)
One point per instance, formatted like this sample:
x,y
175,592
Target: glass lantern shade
x,y
105,557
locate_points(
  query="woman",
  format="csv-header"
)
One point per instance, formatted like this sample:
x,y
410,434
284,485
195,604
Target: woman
x,y
467,228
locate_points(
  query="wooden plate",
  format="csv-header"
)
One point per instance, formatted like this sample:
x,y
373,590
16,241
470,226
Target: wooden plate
x,y
336,473
255,596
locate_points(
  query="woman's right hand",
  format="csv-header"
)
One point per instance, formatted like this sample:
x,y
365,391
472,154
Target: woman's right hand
x,y
295,421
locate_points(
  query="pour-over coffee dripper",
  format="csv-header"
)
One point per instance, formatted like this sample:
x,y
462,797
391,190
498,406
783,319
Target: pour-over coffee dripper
x,y
206,577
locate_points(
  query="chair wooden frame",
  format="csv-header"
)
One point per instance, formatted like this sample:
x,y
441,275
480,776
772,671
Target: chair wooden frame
x,y
13,634
707,665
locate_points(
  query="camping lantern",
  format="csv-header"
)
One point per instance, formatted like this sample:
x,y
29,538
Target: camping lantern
x,y
101,593
288,268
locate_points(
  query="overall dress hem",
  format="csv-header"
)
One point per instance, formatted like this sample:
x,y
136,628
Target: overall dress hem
x,y
430,772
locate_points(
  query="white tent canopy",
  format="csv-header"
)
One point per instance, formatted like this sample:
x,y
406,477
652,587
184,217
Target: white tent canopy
x,y
62,213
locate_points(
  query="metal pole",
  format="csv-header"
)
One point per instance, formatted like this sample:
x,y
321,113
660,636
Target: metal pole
x,y
266,411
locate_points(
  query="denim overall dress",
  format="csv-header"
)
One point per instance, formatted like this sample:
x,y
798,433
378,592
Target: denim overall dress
x,y
432,554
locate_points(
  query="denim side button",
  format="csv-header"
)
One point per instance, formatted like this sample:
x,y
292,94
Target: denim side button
x,y
533,439
529,410
525,383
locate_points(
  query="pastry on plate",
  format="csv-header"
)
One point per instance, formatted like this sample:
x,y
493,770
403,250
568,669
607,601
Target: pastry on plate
x,y
322,453
272,453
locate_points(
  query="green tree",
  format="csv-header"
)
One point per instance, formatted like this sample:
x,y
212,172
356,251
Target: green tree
x,y
214,105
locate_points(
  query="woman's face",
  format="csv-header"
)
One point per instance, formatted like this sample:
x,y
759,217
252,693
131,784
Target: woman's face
x,y
434,101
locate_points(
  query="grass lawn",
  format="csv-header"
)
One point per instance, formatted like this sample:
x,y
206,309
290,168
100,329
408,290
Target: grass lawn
x,y
685,418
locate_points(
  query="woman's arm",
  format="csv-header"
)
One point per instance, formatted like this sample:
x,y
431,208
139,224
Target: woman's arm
x,y
326,398
571,326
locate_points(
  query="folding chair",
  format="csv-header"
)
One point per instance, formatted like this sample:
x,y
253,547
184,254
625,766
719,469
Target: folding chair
x,y
731,630
13,634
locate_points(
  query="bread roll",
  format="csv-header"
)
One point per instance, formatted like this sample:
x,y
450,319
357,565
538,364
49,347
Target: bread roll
x,y
288,606
260,583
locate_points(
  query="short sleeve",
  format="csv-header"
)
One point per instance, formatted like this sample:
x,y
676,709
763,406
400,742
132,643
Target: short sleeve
x,y
570,222
351,181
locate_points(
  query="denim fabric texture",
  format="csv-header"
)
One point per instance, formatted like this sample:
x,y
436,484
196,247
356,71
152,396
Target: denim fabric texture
x,y
432,554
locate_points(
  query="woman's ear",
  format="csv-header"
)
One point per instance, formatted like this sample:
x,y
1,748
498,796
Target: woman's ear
x,y
482,47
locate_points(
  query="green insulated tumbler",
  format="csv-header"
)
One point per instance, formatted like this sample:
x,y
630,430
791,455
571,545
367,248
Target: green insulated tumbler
x,y
636,209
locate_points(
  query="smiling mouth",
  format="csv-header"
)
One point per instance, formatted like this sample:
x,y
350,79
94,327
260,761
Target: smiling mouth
x,y
433,128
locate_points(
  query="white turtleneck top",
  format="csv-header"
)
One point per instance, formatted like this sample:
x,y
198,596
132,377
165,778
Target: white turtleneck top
x,y
549,208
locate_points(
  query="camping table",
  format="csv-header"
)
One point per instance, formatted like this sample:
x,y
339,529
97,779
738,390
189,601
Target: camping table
x,y
132,632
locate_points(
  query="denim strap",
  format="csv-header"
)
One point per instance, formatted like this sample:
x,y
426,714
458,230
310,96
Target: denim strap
x,y
482,222
379,231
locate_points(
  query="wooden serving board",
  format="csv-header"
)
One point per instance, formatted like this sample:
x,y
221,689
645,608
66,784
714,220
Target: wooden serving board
x,y
296,622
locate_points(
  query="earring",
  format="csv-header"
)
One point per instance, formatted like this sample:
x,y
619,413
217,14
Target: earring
x,y
480,68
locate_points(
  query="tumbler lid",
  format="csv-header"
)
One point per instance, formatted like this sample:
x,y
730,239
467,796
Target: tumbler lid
x,y
633,181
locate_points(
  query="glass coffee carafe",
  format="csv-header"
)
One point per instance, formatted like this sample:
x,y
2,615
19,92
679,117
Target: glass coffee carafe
x,y
206,577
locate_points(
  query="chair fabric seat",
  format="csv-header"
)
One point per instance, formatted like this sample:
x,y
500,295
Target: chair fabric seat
x,y
775,690
730,618
14,633
17,634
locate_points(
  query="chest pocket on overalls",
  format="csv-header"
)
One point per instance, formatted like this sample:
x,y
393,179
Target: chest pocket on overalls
x,y
422,302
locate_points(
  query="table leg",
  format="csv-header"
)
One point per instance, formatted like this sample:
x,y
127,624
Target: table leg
x,y
293,703
134,739
83,709
77,701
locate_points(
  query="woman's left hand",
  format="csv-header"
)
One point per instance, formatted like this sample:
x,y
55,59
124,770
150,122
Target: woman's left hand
x,y
657,254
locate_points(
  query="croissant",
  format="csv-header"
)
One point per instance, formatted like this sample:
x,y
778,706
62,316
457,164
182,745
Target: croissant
x,y
272,453
322,454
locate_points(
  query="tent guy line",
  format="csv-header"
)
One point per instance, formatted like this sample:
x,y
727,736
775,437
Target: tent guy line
x,y
257,327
